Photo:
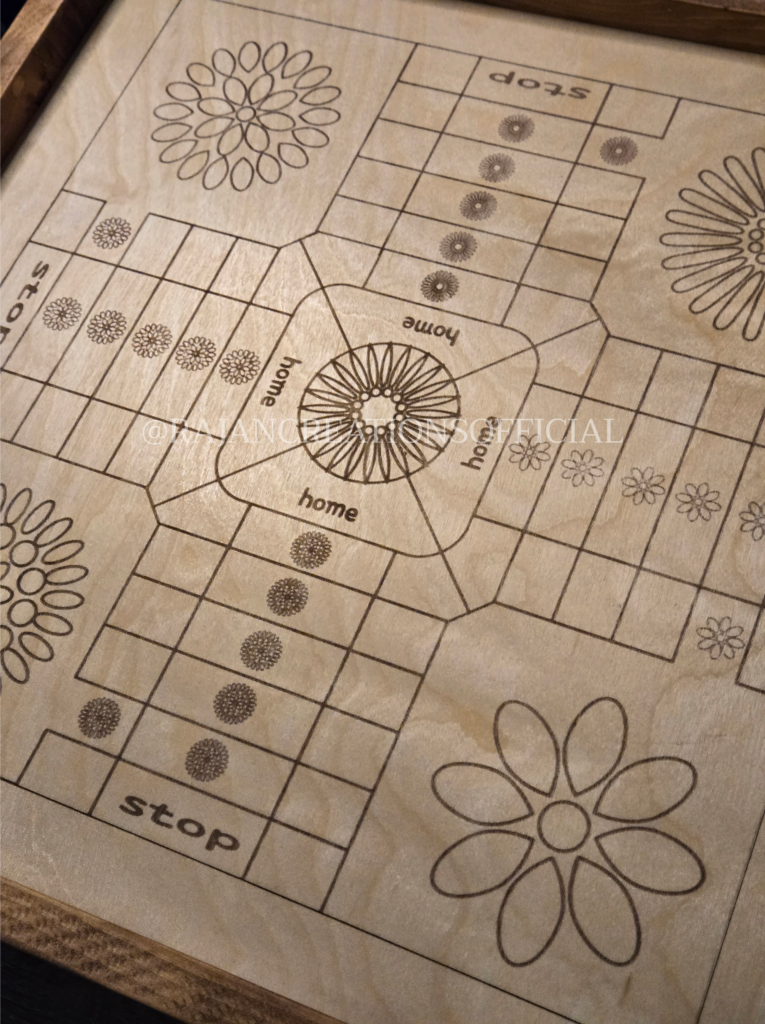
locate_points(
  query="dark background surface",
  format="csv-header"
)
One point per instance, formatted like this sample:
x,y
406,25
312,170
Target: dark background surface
x,y
34,991
37,992
8,11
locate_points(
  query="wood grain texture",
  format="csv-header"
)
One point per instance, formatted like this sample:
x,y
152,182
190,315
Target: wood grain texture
x,y
34,53
193,992
273,696
739,27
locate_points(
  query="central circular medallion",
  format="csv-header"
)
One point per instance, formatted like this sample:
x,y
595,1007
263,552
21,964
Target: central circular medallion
x,y
378,413
563,826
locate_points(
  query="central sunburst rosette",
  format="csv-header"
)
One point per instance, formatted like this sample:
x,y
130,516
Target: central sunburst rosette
x,y
379,413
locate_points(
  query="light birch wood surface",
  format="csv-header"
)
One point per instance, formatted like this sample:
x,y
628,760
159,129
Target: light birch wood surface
x,y
383,514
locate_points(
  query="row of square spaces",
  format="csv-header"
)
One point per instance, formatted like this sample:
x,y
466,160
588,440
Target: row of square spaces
x,y
636,110
403,148
674,387
161,247
680,502
310,796
196,823
360,686
637,608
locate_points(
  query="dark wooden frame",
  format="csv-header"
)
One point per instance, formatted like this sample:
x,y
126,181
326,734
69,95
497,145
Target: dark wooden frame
x,y
35,52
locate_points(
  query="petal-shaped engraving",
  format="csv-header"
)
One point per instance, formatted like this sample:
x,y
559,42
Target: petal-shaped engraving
x,y
594,744
269,168
216,106
183,91
527,746
298,62
313,78
54,531
18,506
201,74
37,518
62,599
531,913
274,56
249,55
652,860
322,96
216,173
37,647
171,132
278,100
223,62
292,155
647,789
320,116
66,574
14,665
178,151
172,111
260,89
603,913
235,91
313,137
256,138
212,127
54,625
242,174
62,552
276,121
479,863
230,140
193,165
477,793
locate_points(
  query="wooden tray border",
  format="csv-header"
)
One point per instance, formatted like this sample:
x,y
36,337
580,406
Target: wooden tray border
x,y
46,34
34,53
169,981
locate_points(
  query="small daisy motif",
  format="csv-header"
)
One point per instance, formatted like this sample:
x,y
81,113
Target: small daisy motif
x,y
753,520
720,638
530,452
643,486
583,468
698,502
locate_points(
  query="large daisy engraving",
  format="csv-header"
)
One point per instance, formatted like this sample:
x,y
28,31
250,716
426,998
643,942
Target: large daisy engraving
x,y
720,235
562,854
378,413
247,116
37,571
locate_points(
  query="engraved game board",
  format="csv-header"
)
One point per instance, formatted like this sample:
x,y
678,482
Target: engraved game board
x,y
383,508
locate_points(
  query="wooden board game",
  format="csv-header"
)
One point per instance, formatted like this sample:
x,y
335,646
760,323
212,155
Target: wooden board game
x,y
383,508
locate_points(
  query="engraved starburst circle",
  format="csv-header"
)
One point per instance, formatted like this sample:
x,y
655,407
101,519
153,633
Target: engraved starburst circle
x,y
245,117
379,413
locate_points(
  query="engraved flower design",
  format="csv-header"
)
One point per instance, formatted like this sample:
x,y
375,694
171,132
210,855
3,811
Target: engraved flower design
x,y
619,150
530,452
378,413
106,327
152,340
698,502
720,235
37,571
239,366
557,857
195,353
582,468
720,638
247,116
643,485
516,128
496,167
61,314
111,233
439,286
753,520
478,205
458,246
